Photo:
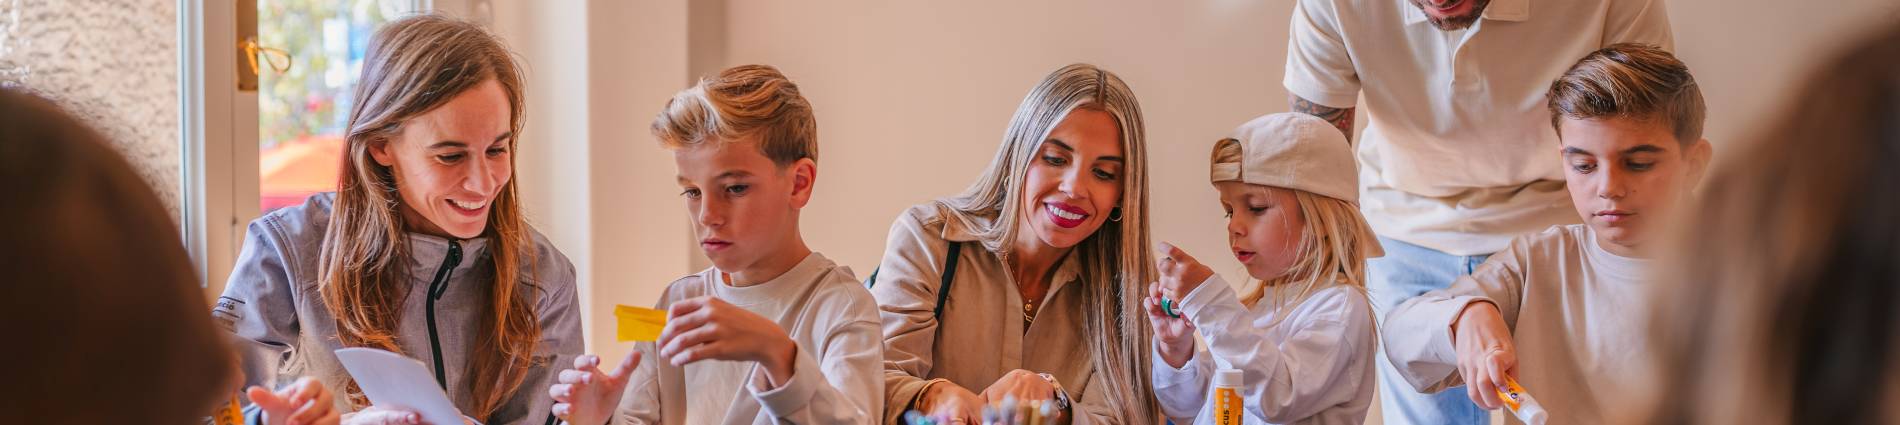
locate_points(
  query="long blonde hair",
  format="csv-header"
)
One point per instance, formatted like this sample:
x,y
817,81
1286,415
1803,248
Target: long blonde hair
x,y
413,66
1333,250
1116,255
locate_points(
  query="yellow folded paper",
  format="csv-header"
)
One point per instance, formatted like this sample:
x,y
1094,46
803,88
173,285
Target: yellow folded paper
x,y
639,323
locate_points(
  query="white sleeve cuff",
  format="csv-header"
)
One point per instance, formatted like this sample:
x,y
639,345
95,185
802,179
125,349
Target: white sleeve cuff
x,y
1214,293
1168,376
1418,341
793,394
1180,391
1442,316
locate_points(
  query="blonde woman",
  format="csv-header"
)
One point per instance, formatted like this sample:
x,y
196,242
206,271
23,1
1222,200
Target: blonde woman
x,y
422,250
1302,334
1029,283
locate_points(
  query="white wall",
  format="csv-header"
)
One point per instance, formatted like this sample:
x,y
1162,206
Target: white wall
x,y
1748,54
912,97
593,180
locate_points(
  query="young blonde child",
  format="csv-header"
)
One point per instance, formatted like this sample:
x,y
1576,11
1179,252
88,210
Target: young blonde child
x,y
1302,333
773,332
1559,312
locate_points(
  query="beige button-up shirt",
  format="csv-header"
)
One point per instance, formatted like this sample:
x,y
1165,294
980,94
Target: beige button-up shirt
x,y
980,336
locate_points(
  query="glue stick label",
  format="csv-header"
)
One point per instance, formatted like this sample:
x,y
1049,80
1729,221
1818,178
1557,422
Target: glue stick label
x,y
1512,394
1228,407
1522,404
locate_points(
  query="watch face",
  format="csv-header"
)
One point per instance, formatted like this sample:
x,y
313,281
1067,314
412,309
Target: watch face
x,y
1062,395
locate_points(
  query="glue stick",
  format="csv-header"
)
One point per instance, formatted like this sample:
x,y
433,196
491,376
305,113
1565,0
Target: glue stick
x,y
1228,406
1521,403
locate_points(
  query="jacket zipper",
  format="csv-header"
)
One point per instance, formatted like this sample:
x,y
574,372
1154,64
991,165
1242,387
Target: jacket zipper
x,y
437,287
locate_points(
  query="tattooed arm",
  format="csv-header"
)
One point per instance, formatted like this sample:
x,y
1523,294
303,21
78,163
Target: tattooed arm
x,y
1340,117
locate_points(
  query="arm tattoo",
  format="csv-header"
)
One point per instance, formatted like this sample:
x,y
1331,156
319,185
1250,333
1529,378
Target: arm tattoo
x,y
1340,117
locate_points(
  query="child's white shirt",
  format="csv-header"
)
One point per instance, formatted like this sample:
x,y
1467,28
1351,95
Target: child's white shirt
x,y
1315,366
1575,313
837,377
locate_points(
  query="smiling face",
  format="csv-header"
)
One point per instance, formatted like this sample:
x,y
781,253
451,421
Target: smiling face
x,y
1075,181
1450,15
451,162
744,206
1624,175
1264,227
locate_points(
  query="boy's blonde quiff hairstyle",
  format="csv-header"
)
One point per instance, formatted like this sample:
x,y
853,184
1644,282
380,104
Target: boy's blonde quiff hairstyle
x,y
1333,251
742,101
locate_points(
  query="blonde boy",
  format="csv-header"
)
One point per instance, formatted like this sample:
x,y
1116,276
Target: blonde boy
x,y
773,332
1557,310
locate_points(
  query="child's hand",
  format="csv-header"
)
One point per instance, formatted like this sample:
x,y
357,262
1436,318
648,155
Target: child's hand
x,y
305,402
1485,352
708,328
951,402
1180,272
1174,336
585,395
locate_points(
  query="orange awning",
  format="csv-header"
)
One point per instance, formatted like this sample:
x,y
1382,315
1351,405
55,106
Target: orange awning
x,y
300,167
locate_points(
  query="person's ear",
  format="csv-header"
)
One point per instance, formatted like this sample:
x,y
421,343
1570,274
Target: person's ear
x,y
1701,153
804,177
379,150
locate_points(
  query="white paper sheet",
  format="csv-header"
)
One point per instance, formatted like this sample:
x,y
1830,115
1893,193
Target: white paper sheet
x,y
395,382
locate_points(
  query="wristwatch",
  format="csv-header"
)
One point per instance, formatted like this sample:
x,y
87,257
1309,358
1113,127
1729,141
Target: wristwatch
x,y
1061,395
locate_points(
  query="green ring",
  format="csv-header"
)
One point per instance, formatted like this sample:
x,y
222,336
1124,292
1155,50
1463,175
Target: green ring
x,y
1167,306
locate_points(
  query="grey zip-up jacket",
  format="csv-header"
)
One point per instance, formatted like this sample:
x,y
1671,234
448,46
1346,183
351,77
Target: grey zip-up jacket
x,y
271,303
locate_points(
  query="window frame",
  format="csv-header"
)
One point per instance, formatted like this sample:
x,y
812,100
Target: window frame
x,y
218,131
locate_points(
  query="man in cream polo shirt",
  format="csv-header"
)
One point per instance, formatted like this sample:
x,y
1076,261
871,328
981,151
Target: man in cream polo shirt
x,y
1459,155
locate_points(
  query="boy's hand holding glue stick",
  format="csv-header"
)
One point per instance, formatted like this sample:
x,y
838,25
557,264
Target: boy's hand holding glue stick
x,y
1487,360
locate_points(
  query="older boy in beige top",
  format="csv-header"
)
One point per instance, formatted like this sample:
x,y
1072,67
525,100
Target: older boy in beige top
x,y
1555,311
773,333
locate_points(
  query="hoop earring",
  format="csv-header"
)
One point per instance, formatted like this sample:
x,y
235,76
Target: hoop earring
x,y
1115,215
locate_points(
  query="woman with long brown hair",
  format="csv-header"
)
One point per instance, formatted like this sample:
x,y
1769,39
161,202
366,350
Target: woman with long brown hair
x,y
422,250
